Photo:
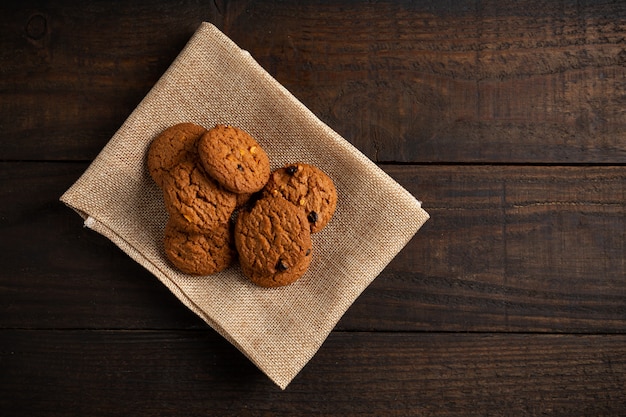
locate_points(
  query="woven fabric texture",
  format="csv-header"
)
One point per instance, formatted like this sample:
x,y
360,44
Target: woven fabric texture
x,y
214,81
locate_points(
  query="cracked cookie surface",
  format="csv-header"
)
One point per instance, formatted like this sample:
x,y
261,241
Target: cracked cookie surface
x,y
308,187
194,201
234,159
172,146
273,241
199,253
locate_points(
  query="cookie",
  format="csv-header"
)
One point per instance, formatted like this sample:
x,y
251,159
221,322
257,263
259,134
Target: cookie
x,y
308,187
172,146
199,253
242,199
273,241
234,159
194,201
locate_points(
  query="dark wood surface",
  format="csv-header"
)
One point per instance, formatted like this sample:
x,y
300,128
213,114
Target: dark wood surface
x,y
507,119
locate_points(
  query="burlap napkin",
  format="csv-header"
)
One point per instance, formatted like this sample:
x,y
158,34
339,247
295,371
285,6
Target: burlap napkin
x,y
279,330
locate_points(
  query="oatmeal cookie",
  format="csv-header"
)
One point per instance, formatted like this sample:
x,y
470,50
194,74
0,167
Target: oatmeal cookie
x,y
308,187
172,146
194,201
234,159
273,241
199,253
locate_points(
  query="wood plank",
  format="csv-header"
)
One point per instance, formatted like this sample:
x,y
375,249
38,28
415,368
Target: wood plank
x,y
531,249
56,273
533,81
507,249
150,373
488,81
72,71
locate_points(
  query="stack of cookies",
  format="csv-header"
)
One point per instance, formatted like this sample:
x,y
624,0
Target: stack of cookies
x,y
224,204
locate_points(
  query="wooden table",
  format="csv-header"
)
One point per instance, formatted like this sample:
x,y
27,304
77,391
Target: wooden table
x,y
506,118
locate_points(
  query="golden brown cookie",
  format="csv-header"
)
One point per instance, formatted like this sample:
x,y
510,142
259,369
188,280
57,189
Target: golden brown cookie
x,y
242,199
199,253
273,242
234,159
172,146
307,187
195,202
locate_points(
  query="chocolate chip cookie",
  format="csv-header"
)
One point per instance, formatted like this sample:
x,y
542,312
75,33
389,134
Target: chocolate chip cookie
x,y
273,241
194,201
234,159
172,146
199,253
308,187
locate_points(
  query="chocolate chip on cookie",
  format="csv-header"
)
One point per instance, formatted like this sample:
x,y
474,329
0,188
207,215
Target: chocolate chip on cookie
x,y
234,159
199,253
308,187
172,146
195,202
273,241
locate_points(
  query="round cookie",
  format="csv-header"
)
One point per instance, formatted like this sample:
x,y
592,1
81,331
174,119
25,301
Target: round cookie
x,y
234,159
194,201
308,187
198,253
273,242
172,146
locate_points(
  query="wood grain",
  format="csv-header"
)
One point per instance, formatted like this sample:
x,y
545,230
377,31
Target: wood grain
x,y
73,71
525,248
166,373
506,118
57,274
532,249
431,81
465,81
